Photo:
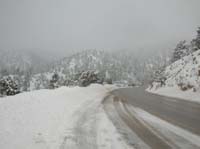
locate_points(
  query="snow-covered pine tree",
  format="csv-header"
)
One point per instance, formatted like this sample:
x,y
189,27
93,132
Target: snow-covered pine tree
x,y
88,77
198,38
54,81
8,86
180,51
159,77
195,43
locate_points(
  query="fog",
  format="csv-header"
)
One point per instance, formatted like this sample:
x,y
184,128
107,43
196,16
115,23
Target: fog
x,y
65,26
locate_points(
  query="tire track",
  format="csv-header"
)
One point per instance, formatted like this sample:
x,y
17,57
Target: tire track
x,y
154,140
84,133
128,135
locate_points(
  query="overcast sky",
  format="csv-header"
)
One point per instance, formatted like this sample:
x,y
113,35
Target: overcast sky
x,y
65,25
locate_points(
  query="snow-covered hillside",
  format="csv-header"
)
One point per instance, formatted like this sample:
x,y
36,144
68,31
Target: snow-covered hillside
x,y
30,72
182,78
122,67
185,72
119,67
55,119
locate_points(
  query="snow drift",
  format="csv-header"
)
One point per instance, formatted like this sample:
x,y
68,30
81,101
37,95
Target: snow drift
x,y
60,118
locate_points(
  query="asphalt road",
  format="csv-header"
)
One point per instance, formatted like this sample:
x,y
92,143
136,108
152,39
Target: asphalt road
x,y
179,112
183,113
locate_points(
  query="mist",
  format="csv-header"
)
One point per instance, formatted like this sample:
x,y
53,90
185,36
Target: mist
x,y
65,26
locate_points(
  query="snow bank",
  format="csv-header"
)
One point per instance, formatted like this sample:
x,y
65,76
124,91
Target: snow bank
x,y
40,119
177,93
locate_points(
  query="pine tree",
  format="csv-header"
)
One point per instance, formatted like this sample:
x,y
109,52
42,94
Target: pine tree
x,y
88,77
159,77
196,42
180,51
54,81
198,38
8,86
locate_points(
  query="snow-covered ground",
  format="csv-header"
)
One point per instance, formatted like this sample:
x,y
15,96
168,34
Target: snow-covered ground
x,y
177,93
58,119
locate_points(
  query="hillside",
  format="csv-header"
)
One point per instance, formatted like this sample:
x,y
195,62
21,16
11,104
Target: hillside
x,y
182,78
117,66
121,67
28,71
185,72
104,63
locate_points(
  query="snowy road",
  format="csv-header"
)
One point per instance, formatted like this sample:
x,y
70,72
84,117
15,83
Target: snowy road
x,y
152,121
96,117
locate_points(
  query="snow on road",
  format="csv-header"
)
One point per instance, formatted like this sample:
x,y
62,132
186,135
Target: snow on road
x,y
144,130
126,132
179,137
58,119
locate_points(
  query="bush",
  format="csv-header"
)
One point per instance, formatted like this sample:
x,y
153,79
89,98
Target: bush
x,y
185,87
8,86
108,81
180,51
88,77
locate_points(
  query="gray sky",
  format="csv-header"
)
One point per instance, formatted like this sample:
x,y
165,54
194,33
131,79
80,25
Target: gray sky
x,y
65,25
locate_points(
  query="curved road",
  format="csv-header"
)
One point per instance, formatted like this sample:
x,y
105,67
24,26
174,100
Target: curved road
x,y
181,113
